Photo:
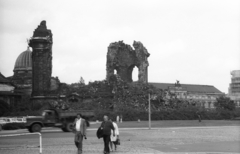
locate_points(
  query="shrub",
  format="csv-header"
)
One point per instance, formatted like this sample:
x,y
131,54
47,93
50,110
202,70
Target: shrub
x,y
236,113
225,103
188,113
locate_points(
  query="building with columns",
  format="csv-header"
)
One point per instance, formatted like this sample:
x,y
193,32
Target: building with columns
x,y
234,87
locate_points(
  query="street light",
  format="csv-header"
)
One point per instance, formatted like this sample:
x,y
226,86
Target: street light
x,y
153,96
150,91
149,111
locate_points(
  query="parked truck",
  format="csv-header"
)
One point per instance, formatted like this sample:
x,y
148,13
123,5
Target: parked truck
x,y
55,118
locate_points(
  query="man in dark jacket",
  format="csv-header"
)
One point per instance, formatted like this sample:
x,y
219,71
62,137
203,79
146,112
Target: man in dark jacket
x,y
107,126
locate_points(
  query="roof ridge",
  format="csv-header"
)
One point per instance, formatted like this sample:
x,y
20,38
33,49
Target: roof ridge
x,y
189,87
183,84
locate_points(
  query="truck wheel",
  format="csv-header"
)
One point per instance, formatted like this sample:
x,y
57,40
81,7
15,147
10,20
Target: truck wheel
x,y
64,129
29,129
36,128
69,127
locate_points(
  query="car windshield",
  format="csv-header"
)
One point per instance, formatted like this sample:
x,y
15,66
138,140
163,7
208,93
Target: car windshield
x,y
44,113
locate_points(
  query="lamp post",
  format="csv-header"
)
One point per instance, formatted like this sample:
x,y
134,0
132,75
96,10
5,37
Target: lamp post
x,y
149,111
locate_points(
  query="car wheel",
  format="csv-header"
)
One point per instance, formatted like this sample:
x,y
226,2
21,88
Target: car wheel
x,y
29,129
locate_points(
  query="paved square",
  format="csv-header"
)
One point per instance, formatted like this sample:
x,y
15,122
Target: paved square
x,y
222,139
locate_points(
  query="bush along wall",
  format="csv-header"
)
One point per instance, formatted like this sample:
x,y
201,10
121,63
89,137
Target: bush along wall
x,y
174,114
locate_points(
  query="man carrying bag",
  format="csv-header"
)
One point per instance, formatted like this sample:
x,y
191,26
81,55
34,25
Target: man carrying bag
x,y
105,132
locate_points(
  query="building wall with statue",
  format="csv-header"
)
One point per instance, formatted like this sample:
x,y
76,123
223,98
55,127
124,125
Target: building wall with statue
x,y
200,95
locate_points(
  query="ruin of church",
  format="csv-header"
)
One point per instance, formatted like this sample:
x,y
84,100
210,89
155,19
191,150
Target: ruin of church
x,y
123,58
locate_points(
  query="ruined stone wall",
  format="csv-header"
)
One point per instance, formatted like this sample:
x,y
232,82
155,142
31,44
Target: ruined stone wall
x,y
41,44
122,58
142,61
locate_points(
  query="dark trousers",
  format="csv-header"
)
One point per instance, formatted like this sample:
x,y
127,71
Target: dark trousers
x,y
78,141
106,139
199,118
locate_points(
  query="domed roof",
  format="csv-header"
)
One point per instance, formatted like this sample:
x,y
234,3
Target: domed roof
x,y
24,61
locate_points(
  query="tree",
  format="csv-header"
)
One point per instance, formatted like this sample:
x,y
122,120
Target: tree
x,y
224,103
81,81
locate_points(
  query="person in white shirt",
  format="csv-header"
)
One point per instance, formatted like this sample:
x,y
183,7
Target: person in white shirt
x,y
114,137
79,127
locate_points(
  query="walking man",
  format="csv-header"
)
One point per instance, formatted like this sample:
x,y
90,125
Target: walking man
x,y
107,126
79,127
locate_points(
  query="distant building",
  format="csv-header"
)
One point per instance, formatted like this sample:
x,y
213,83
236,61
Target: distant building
x,y
8,94
202,95
234,87
22,76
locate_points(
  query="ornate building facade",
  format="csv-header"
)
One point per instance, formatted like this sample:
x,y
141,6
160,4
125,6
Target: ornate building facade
x,y
234,87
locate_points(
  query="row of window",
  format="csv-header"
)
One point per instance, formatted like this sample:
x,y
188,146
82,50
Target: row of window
x,y
235,85
235,79
235,88
23,71
196,97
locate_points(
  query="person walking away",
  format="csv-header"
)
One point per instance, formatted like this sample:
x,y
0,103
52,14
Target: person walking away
x,y
114,138
79,127
117,119
121,118
107,126
199,116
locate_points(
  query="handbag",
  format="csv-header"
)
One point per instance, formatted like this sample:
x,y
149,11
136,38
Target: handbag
x,y
118,141
99,132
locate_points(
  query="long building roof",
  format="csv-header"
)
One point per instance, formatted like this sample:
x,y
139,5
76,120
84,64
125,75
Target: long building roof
x,y
189,87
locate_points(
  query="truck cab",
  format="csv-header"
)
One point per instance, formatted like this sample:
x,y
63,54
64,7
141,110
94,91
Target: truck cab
x,y
49,117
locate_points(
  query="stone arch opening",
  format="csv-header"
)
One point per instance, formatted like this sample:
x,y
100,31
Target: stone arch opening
x,y
135,73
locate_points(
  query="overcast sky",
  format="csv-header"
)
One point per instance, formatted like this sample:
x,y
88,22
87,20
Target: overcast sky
x,y
194,41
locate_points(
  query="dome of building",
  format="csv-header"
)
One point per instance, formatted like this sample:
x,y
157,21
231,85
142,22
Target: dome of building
x,y
24,61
